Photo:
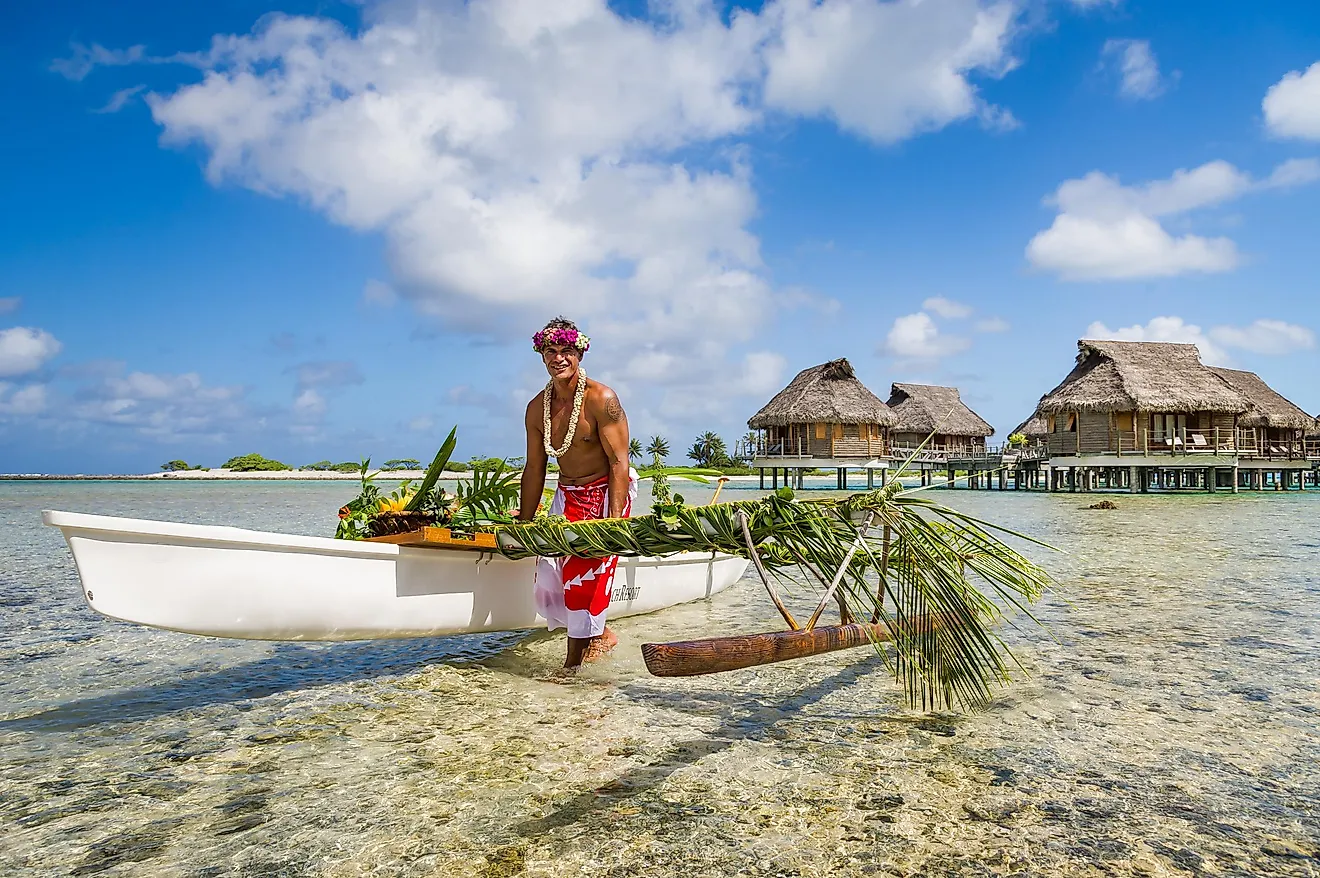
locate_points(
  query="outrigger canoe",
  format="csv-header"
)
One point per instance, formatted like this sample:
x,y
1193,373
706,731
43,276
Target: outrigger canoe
x,y
231,582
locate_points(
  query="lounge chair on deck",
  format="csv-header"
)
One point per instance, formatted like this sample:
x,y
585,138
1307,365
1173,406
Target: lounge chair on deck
x,y
1197,442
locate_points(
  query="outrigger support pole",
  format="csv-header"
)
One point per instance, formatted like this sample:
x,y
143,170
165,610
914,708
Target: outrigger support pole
x,y
843,568
765,577
845,615
884,570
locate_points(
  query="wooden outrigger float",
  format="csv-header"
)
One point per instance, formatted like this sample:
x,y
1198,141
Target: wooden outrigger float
x,y
690,658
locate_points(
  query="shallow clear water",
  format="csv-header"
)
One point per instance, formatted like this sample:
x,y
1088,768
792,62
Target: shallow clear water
x,y
1171,726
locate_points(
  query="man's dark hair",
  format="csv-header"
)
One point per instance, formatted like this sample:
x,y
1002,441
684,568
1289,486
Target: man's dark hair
x,y
561,322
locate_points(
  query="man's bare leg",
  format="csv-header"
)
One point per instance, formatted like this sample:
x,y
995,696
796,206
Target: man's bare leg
x,y
601,646
589,649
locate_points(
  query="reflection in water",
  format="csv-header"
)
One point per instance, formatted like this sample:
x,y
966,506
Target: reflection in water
x,y
1171,726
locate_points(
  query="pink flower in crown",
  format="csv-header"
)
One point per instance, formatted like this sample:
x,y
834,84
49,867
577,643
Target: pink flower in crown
x,y
569,337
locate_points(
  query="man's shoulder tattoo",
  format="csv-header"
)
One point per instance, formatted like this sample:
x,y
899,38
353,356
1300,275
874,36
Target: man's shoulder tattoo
x,y
614,409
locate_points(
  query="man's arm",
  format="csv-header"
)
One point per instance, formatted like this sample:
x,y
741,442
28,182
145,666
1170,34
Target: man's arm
x,y
533,474
612,427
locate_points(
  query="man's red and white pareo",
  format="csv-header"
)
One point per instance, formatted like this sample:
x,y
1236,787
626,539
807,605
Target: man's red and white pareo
x,y
574,593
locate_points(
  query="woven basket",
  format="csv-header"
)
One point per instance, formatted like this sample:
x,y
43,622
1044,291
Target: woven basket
x,y
388,523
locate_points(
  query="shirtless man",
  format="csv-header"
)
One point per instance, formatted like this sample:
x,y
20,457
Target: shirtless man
x,y
595,481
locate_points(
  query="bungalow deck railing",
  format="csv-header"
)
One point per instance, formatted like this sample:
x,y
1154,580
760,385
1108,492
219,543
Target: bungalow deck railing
x,y
1184,442
1175,443
945,453
800,448
1251,444
763,447
935,453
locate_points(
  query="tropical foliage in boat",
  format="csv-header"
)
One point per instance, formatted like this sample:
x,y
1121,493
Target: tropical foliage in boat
x,y
482,500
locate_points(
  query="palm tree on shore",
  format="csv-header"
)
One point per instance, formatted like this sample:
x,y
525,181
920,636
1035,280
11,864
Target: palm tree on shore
x,y
708,449
634,449
658,448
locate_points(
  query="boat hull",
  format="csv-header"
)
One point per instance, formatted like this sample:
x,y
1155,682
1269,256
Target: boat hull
x,y
230,582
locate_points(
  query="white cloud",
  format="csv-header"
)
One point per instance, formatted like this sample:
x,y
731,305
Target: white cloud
x,y
87,58
24,349
916,337
1265,337
162,406
993,324
1108,231
527,158
316,379
1137,66
10,303
1292,105
120,99
29,400
887,70
1262,337
309,404
946,308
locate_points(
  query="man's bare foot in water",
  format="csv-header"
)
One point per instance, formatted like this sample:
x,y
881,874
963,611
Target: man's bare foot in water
x,y
601,646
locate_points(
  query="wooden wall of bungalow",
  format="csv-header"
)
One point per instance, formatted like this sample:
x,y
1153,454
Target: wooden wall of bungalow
x,y
1097,432
820,440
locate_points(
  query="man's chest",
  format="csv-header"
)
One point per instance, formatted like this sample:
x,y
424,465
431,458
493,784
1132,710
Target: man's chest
x,y
560,413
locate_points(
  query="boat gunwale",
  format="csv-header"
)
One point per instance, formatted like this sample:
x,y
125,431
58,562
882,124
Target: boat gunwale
x,y
135,529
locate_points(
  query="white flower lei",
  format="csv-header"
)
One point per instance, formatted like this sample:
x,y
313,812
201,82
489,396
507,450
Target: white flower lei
x,y
573,419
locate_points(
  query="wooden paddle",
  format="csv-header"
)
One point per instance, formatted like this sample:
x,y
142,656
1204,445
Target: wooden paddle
x,y
690,658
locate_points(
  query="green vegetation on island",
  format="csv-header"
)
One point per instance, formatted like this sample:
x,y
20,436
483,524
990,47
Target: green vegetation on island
x,y
251,463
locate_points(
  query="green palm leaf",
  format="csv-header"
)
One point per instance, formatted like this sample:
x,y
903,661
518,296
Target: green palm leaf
x,y
433,471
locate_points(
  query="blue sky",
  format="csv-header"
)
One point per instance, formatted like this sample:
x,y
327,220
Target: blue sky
x,y
327,229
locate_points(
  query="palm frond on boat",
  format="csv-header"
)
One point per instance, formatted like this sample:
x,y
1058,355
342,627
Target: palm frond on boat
x,y
923,578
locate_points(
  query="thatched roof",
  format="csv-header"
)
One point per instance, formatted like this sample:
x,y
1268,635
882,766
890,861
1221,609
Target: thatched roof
x,y
826,394
1033,427
1267,407
1148,376
926,408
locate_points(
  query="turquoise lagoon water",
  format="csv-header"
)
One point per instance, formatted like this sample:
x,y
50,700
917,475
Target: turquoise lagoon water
x,y
1169,726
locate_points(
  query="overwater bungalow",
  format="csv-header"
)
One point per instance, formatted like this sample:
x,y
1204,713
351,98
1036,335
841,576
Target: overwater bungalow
x,y
1272,426
824,418
936,420
1151,414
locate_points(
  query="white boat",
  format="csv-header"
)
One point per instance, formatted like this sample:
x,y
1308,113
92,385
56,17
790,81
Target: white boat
x,y
231,582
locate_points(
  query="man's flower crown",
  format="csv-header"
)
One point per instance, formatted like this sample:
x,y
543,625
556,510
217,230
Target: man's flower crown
x,y
571,337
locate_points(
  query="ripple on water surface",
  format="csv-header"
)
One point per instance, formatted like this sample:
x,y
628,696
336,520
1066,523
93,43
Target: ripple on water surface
x,y
1172,726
